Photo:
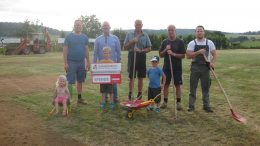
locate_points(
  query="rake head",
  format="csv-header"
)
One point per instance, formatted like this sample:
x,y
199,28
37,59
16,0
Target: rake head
x,y
237,117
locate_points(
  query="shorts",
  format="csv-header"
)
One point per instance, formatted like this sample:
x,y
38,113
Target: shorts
x,y
106,88
140,65
61,99
153,92
76,71
177,76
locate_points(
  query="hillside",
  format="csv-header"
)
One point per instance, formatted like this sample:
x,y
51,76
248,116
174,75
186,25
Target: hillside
x,y
182,32
10,29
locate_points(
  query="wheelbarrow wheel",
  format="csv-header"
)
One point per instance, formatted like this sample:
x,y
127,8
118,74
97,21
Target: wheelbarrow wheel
x,y
129,114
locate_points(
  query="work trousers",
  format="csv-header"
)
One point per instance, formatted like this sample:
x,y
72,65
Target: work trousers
x,y
199,72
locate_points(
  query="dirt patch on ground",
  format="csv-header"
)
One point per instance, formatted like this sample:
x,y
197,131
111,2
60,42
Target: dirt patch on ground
x,y
20,126
11,85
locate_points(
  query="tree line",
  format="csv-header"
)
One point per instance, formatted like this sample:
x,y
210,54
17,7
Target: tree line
x,y
92,28
12,29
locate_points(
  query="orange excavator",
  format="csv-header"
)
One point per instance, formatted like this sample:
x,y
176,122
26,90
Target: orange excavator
x,y
39,44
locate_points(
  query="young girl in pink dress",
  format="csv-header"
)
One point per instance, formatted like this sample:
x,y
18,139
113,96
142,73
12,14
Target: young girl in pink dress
x,y
61,94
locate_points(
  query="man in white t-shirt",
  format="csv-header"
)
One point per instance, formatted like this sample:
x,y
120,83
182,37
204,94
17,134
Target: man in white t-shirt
x,y
200,50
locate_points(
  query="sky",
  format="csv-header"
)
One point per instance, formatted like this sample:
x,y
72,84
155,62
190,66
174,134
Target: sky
x,y
221,15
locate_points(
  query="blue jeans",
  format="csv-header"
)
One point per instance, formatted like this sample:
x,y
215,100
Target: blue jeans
x,y
115,91
115,94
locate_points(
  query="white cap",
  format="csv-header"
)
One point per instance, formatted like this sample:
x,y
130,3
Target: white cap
x,y
155,58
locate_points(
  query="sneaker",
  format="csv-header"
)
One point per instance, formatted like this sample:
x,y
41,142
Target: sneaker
x,y
82,101
102,105
208,109
157,110
116,100
179,108
129,97
164,105
112,105
139,95
191,110
150,108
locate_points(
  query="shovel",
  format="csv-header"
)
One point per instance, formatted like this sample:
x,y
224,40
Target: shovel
x,y
234,115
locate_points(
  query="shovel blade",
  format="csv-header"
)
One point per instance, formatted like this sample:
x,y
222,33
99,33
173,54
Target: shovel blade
x,y
237,117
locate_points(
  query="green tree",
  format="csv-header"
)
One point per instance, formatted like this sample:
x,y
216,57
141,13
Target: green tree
x,y
121,34
187,39
155,40
163,36
218,38
252,38
27,29
62,34
91,26
37,26
30,27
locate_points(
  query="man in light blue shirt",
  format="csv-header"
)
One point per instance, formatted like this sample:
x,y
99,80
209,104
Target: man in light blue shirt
x,y
108,40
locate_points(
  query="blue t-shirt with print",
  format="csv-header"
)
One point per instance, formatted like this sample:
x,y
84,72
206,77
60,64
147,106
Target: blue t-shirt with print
x,y
154,75
76,46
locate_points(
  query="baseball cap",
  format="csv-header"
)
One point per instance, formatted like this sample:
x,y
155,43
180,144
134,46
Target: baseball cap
x,y
155,58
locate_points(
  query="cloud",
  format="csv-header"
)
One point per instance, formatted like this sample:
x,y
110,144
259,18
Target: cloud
x,y
6,5
223,15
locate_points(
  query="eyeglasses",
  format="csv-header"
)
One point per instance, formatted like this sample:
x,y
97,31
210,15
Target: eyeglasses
x,y
154,61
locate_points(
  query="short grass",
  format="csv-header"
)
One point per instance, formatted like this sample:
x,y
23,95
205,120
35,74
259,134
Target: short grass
x,y
238,71
250,44
237,35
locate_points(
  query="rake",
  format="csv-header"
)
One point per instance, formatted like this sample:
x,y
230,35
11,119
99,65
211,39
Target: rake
x,y
234,115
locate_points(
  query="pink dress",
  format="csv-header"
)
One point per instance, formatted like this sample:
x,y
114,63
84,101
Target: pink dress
x,y
62,96
61,99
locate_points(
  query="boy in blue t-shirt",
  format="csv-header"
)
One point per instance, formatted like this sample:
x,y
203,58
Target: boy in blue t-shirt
x,y
154,74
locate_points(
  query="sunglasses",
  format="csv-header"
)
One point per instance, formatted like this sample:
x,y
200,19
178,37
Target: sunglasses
x,y
154,61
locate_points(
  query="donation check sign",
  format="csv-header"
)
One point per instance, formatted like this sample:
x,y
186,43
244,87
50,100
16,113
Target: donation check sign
x,y
106,73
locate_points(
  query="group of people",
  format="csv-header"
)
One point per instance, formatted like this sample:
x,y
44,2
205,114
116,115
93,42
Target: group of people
x,y
107,49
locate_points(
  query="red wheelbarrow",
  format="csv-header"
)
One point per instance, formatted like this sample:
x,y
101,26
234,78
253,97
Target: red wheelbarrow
x,y
137,104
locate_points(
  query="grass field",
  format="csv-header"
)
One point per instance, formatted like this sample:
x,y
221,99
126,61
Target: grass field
x,y
238,71
237,35
250,44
